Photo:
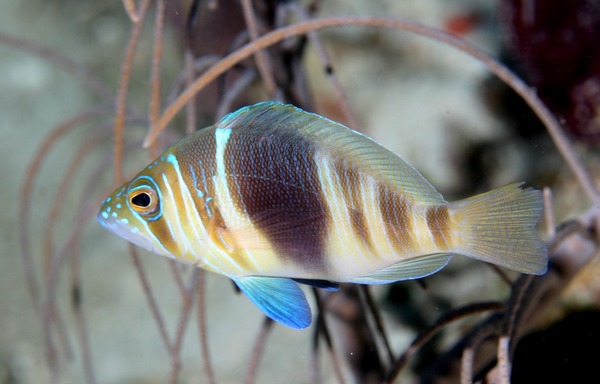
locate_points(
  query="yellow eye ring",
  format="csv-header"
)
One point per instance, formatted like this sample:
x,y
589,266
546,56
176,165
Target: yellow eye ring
x,y
143,200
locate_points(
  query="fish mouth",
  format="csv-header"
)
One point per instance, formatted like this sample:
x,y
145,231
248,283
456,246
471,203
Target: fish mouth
x,y
121,228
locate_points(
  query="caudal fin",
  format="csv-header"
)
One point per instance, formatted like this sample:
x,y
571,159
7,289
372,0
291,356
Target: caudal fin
x,y
499,227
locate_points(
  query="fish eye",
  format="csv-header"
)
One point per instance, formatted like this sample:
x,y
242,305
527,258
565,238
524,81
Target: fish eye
x,y
143,200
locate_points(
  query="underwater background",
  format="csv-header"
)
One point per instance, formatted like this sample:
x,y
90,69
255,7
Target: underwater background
x,y
63,68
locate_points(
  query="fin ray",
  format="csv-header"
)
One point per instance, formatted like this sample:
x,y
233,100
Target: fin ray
x,y
414,268
499,227
279,298
336,140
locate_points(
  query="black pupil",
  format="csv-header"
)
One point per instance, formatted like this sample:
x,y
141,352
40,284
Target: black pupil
x,y
141,200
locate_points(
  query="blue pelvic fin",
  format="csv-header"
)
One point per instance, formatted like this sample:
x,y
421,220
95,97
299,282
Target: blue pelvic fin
x,y
415,268
279,298
322,284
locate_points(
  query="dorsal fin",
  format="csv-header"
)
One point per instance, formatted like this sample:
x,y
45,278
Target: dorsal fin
x,y
333,139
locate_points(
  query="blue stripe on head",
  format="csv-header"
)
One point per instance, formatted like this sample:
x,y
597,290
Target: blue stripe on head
x,y
199,192
120,193
173,160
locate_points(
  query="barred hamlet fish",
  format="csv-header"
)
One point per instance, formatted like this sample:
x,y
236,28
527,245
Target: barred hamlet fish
x,y
272,196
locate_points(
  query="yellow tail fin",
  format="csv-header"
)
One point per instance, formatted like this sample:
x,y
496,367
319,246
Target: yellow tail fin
x,y
499,227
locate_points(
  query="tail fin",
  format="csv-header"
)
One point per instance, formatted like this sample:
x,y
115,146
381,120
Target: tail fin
x,y
499,227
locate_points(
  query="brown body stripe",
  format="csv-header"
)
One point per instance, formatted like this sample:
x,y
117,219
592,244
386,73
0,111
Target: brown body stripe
x,y
350,180
438,224
162,228
272,175
395,212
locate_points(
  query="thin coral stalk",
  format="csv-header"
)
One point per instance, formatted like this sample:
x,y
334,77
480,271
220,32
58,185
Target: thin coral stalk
x,y
512,321
504,360
47,307
186,77
549,218
149,296
190,72
155,84
184,315
263,61
202,327
45,312
124,79
80,320
48,250
428,333
323,330
131,11
466,366
174,267
25,202
558,136
258,350
60,61
340,93
48,312
233,91
63,188
372,307
471,343
315,368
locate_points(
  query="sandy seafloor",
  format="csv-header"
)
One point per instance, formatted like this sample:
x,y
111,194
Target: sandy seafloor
x,y
419,106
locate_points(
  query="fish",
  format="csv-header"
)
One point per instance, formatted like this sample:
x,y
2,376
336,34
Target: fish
x,y
272,196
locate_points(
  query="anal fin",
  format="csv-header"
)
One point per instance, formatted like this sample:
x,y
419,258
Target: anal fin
x,y
414,268
279,298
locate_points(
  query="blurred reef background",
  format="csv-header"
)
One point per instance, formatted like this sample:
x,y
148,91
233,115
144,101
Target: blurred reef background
x,y
76,305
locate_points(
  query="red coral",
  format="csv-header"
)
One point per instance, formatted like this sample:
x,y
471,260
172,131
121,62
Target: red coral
x,y
558,45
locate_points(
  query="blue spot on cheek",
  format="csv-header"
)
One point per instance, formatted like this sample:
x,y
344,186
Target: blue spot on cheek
x,y
114,214
105,215
108,209
108,199
118,206
124,221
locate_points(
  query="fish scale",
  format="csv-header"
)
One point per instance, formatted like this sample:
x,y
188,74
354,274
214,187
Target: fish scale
x,y
272,196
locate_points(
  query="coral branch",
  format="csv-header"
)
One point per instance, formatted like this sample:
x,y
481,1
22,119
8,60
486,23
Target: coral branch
x,y
554,129
124,79
263,61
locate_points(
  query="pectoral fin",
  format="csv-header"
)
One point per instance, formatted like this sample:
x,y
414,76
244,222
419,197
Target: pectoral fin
x,y
406,270
279,298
